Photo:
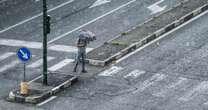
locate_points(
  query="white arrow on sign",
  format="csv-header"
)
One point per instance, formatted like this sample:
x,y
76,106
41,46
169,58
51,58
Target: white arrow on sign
x,y
24,54
155,8
99,2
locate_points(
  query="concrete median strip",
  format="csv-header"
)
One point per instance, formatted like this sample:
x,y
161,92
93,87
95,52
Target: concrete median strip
x,y
38,92
147,32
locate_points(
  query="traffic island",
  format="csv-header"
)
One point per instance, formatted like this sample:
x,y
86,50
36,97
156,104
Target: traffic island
x,y
37,92
146,32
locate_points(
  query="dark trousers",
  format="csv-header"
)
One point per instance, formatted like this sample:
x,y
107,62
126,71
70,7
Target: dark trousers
x,y
80,59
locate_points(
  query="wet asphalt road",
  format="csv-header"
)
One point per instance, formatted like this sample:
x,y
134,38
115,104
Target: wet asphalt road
x,y
170,74
88,94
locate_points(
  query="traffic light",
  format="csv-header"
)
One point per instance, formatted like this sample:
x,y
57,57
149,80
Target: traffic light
x,y
48,24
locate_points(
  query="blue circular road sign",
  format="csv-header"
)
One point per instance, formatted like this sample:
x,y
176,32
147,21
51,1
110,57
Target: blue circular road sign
x,y
24,54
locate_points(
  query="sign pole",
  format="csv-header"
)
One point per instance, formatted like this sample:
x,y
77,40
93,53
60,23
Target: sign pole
x,y
45,81
24,79
24,55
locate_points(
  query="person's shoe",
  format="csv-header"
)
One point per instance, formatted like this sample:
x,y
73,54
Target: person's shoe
x,y
84,71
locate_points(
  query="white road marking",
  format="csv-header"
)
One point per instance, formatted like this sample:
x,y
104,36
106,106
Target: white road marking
x,y
172,86
38,45
162,36
35,79
92,21
206,103
147,83
201,88
34,17
38,63
6,55
10,65
111,71
60,64
99,2
46,101
66,48
155,8
20,43
135,74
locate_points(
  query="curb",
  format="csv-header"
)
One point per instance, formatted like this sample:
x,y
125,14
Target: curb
x,y
34,99
150,37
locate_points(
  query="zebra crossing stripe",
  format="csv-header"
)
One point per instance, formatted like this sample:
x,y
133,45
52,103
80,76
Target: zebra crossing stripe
x,y
170,87
200,88
65,48
147,83
6,55
38,63
60,64
10,65
38,45
110,72
134,74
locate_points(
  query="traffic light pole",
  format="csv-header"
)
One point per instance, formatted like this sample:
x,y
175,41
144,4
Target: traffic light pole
x,y
45,66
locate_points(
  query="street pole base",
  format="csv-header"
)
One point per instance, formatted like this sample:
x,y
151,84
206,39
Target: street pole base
x,y
24,88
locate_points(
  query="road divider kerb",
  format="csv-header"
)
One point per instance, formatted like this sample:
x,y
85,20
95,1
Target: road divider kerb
x,y
150,37
37,98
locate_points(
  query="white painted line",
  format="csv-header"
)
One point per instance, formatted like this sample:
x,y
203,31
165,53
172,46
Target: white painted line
x,y
99,2
111,71
206,103
35,79
6,55
20,43
38,63
155,8
135,73
46,101
34,17
38,45
162,36
10,65
170,87
92,21
201,88
149,82
179,82
61,64
66,48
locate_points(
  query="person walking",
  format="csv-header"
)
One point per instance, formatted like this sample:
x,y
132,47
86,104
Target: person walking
x,y
84,38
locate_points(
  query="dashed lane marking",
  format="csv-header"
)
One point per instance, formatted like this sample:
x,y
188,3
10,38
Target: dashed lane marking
x,y
155,8
60,64
34,17
6,55
111,71
134,74
149,82
38,63
99,2
200,88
